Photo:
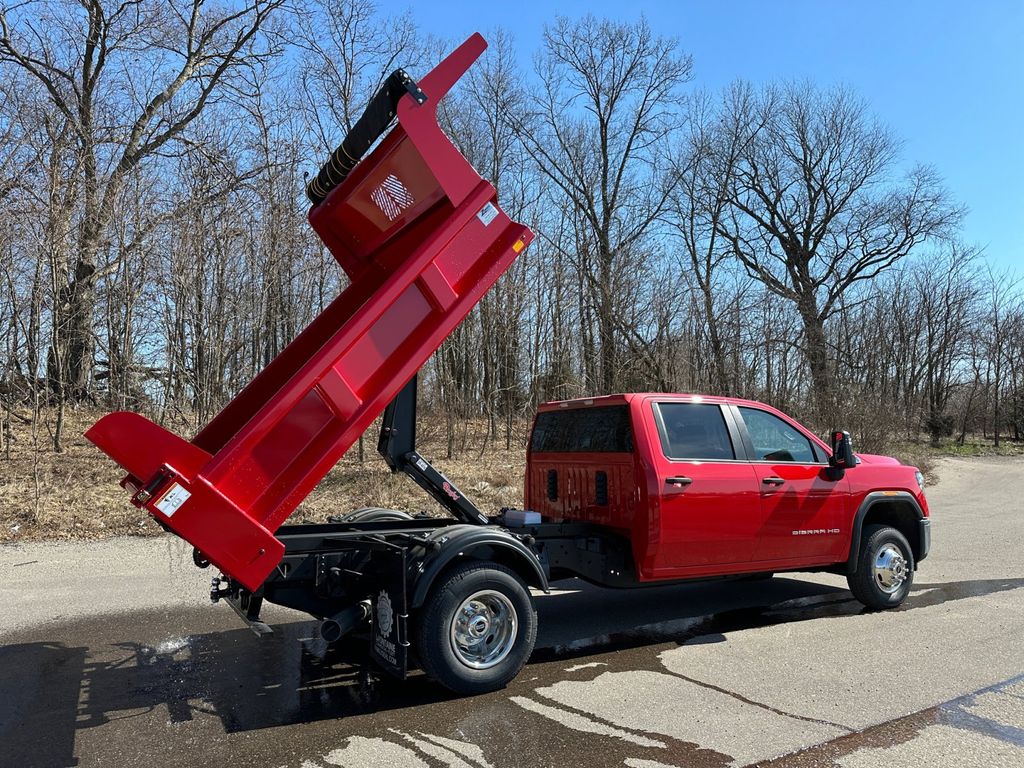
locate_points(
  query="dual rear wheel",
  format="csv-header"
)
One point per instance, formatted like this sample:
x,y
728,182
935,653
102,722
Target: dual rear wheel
x,y
477,628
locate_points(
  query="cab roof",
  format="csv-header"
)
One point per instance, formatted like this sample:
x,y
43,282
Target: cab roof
x,y
624,398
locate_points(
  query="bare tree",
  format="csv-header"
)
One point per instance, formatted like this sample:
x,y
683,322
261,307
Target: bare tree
x,y
348,50
816,207
700,207
946,288
760,242
495,88
1002,305
607,106
123,108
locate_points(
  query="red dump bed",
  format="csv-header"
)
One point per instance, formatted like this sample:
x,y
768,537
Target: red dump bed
x,y
422,238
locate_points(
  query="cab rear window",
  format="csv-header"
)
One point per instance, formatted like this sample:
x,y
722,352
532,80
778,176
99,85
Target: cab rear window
x,y
575,430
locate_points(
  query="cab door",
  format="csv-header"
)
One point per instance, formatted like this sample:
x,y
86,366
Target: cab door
x,y
708,510
803,505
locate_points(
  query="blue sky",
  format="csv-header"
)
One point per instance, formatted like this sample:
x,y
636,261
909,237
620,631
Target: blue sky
x,y
947,76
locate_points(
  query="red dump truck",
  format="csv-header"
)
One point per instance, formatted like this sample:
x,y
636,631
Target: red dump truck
x,y
622,491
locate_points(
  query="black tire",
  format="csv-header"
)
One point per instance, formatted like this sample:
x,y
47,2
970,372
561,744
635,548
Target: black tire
x,y
436,630
868,583
371,515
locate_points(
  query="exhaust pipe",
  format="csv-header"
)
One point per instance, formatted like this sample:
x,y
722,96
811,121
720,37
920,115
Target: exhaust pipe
x,y
335,627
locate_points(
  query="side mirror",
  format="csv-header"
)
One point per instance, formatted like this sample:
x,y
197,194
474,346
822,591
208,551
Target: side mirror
x,y
842,451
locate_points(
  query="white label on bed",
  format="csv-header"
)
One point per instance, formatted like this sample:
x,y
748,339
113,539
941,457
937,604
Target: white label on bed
x,y
487,213
175,496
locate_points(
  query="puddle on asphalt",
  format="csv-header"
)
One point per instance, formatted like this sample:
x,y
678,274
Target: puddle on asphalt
x,y
142,665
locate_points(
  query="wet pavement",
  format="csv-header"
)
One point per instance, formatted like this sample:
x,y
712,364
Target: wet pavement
x,y
716,674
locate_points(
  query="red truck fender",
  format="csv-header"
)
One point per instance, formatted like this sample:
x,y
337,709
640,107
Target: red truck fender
x,y
901,510
456,543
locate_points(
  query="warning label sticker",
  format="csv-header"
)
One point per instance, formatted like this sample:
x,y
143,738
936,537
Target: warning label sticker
x,y
487,213
172,498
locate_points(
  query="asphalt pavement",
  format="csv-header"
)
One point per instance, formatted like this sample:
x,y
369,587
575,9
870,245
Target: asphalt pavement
x,y
111,655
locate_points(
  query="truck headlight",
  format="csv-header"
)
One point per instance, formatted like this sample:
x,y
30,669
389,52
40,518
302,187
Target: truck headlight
x,y
920,479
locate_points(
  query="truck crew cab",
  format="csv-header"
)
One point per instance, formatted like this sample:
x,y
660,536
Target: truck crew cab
x,y
622,491
692,486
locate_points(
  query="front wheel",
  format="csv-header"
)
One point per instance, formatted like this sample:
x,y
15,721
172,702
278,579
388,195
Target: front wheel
x,y
477,628
885,568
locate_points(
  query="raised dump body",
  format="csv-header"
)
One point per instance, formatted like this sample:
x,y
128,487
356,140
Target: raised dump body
x,y
422,238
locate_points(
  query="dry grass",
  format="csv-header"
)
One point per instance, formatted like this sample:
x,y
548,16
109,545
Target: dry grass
x,y
75,494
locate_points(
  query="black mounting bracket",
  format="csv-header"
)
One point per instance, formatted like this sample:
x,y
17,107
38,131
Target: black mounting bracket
x,y
411,87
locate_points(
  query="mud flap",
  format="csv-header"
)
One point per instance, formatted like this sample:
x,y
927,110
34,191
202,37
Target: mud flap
x,y
389,646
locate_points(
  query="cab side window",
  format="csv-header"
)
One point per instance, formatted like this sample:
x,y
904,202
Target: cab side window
x,y
774,439
694,431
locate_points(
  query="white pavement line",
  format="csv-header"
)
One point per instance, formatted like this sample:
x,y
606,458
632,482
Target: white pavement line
x,y
361,752
578,722
940,745
657,703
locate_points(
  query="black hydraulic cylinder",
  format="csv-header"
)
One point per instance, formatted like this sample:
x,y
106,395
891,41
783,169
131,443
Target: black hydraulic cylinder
x,y
375,120
397,444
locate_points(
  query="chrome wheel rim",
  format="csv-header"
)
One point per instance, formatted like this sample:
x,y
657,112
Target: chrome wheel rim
x,y
890,569
484,629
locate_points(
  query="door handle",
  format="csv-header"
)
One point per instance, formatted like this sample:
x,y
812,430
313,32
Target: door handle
x,y
773,480
680,481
